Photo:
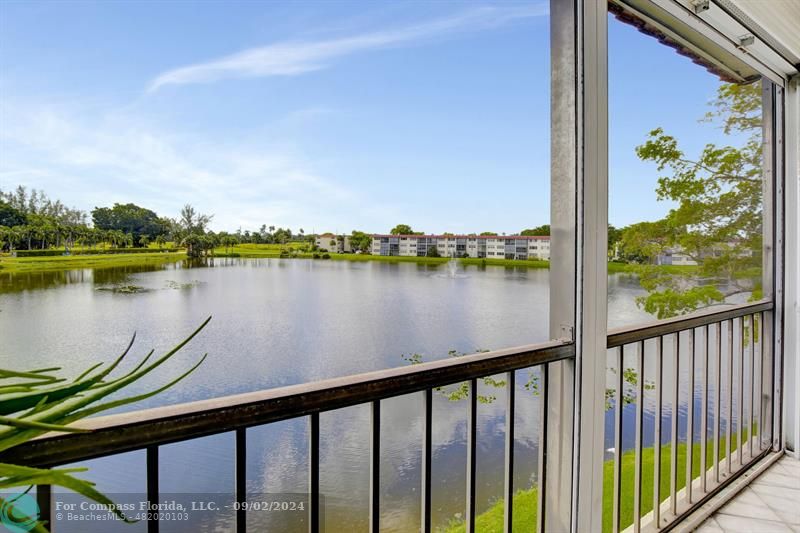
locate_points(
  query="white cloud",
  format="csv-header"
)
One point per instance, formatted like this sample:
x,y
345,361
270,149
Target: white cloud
x,y
100,160
294,58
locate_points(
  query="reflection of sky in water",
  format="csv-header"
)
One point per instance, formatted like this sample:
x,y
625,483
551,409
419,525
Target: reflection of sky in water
x,y
283,322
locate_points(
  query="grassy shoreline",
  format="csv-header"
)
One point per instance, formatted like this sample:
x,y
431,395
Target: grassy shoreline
x,y
12,265
525,501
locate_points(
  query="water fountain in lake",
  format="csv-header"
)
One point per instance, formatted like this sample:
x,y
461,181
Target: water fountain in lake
x,y
451,270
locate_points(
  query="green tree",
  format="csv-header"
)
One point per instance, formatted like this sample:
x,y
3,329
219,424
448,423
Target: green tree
x,y
538,231
11,216
402,229
488,233
614,236
718,218
194,245
128,218
191,221
360,241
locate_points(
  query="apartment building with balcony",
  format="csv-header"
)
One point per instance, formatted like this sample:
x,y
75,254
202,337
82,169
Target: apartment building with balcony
x,y
338,244
478,246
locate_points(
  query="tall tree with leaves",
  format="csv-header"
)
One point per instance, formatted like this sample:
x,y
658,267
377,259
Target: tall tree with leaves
x,y
718,218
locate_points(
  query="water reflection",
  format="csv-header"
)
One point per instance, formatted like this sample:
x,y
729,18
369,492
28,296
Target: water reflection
x,y
279,322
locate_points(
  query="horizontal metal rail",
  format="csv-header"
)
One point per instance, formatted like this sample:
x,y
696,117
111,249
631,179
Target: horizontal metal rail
x,y
630,335
163,425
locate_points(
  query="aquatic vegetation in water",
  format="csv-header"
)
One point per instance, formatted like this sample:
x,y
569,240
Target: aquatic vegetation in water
x,y
124,289
170,284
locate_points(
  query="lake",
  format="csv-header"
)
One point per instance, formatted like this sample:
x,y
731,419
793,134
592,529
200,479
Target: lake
x,y
285,321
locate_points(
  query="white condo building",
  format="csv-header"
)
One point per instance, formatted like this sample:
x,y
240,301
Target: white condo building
x,y
481,246
328,242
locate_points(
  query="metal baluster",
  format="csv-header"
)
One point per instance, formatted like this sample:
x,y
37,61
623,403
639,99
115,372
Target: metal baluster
x,y
704,417
637,474
44,498
313,473
152,487
740,426
544,384
673,459
729,422
375,467
618,408
240,467
752,382
472,448
718,397
690,419
761,338
426,461
509,458
657,436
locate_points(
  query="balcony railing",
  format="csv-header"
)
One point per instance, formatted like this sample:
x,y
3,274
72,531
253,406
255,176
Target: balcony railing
x,y
149,429
728,388
706,334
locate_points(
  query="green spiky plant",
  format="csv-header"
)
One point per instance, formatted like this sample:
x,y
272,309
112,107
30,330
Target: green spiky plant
x,y
39,401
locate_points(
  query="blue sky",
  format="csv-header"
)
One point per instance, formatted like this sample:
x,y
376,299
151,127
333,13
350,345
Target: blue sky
x,y
325,115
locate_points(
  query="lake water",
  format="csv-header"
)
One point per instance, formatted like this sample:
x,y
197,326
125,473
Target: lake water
x,y
280,322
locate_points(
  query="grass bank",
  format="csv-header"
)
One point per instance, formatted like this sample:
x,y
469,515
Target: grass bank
x,y
75,262
10,264
525,501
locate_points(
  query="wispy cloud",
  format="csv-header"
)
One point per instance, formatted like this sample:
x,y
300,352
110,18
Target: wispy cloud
x,y
293,58
88,161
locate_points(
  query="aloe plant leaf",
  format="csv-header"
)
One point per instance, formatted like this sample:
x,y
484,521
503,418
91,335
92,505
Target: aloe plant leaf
x,y
8,389
18,423
17,402
87,372
139,365
60,477
33,374
50,408
117,403
63,408
9,470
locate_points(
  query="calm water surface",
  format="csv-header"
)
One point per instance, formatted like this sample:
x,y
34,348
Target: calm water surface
x,y
280,322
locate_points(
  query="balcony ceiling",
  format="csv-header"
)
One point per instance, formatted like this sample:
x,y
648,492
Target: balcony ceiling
x,y
780,20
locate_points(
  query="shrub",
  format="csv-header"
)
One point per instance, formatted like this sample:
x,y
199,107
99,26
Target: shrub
x,y
111,251
39,253
326,255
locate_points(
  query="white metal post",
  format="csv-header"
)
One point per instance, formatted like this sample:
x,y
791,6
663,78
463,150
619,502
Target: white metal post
x,y
790,413
592,301
561,399
578,283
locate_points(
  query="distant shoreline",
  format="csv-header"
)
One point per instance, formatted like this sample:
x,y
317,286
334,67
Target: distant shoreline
x,y
13,265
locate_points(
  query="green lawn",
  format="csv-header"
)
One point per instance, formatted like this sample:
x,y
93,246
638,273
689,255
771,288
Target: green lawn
x,y
525,501
73,262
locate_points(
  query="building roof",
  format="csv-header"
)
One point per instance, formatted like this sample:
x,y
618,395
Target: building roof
x,y
521,237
